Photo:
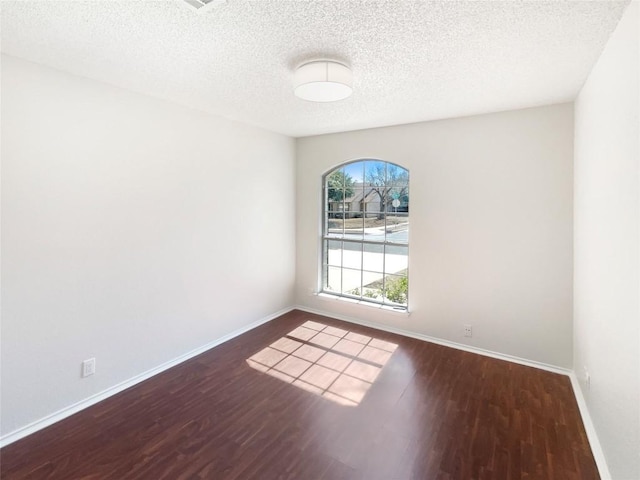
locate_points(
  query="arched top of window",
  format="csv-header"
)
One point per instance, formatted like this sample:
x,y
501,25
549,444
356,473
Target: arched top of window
x,y
366,232
371,169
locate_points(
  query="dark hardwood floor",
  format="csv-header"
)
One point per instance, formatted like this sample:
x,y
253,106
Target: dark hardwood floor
x,y
321,405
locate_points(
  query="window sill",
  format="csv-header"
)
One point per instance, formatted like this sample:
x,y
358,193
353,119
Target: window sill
x,y
377,306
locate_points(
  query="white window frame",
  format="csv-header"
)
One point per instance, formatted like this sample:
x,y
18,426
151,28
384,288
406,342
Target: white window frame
x,y
326,237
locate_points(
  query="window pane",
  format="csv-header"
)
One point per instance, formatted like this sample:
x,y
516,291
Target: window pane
x,y
333,279
372,284
333,226
372,293
372,257
355,171
372,205
397,201
353,225
351,280
333,253
396,259
401,219
397,228
397,177
375,172
401,194
352,255
396,289
374,228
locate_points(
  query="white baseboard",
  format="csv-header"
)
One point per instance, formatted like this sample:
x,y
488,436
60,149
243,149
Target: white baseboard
x,y
592,436
439,341
98,397
596,448
92,400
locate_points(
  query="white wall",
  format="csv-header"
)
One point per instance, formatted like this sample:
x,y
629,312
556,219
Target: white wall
x,y
133,231
607,244
491,227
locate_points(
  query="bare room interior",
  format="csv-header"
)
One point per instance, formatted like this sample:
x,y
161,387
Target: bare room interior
x,y
320,239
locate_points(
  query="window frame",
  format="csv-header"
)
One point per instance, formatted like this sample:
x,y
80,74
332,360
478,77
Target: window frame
x,y
326,238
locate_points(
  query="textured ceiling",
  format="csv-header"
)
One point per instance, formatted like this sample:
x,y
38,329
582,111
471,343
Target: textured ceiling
x,y
412,60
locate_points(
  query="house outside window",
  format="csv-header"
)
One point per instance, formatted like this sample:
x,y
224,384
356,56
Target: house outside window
x,y
365,245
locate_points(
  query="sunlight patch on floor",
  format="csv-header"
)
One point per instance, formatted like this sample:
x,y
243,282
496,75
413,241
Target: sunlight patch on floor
x,y
331,362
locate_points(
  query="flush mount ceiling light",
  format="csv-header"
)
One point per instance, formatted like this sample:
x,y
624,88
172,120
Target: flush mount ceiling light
x,y
323,81
203,5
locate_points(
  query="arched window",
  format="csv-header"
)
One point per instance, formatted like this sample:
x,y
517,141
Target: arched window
x,y
366,232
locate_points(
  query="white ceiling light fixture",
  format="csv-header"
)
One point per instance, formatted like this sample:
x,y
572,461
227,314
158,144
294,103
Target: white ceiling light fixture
x,y
203,5
323,81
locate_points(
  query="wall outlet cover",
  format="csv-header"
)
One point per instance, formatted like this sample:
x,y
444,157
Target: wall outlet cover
x,y
88,367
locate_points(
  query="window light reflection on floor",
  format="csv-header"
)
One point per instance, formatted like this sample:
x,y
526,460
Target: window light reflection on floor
x,y
331,362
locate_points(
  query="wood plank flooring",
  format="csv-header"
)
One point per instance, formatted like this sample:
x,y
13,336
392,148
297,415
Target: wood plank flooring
x,y
289,402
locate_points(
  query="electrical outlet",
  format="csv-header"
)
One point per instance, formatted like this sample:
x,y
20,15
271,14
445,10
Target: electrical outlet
x,y
88,367
467,330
